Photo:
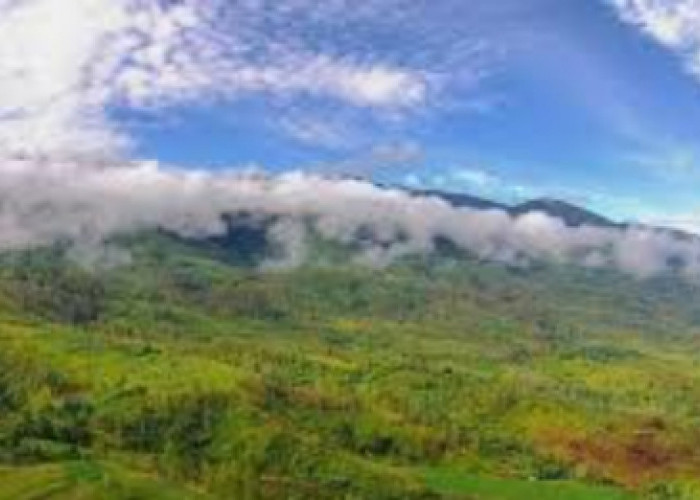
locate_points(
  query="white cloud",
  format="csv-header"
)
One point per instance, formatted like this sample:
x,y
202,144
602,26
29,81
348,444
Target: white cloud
x,y
476,178
673,23
315,131
669,162
374,161
65,63
46,96
686,221
50,201
371,85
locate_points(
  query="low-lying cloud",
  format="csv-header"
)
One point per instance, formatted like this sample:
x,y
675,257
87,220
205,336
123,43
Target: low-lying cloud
x,y
45,202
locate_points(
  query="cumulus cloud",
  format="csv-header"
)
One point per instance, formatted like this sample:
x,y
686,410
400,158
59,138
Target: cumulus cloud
x,y
65,64
672,23
46,97
67,201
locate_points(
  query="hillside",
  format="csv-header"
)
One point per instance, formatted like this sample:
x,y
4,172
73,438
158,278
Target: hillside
x,y
190,373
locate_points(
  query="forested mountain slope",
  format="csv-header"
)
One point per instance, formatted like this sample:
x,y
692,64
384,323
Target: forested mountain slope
x,y
190,372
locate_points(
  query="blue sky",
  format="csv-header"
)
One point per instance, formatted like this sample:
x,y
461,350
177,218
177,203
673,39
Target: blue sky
x,y
594,101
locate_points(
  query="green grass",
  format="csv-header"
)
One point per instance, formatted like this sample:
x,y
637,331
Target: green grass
x,y
86,480
183,376
448,482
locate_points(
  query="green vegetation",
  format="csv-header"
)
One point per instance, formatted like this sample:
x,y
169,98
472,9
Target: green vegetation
x,y
186,374
457,483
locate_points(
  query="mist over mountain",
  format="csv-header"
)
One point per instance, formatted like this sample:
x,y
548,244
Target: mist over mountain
x,y
570,214
86,205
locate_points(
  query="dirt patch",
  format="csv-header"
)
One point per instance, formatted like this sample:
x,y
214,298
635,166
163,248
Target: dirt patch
x,y
628,457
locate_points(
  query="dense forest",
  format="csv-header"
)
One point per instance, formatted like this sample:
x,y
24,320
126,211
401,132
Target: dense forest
x,y
191,371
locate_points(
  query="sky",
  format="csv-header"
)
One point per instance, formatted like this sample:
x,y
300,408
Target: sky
x,y
592,101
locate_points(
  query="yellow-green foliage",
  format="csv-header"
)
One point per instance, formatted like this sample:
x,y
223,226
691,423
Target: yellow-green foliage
x,y
182,376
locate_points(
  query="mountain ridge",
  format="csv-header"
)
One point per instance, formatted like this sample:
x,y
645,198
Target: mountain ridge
x,y
571,214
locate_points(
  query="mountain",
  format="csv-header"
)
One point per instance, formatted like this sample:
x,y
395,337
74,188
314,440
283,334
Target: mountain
x,y
186,374
463,200
189,371
571,215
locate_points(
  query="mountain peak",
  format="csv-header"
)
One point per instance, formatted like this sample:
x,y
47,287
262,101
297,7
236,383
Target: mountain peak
x,y
572,215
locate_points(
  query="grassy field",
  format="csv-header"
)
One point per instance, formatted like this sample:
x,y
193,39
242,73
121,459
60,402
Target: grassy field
x,y
187,375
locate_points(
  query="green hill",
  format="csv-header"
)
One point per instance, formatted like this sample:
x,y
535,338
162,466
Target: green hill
x,y
189,372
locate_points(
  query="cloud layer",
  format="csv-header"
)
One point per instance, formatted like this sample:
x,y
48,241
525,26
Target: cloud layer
x,y
53,201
